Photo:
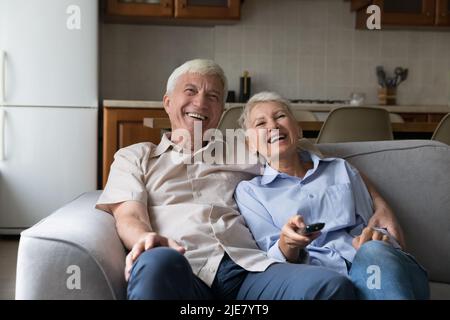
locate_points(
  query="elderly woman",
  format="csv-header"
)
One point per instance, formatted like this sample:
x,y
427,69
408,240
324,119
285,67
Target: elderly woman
x,y
299,187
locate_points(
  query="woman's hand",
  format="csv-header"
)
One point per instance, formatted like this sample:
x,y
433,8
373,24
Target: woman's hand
x,y
291,241
368,234
147,241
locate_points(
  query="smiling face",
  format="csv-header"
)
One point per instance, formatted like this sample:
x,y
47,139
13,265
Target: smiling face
x,y
277,132
195,98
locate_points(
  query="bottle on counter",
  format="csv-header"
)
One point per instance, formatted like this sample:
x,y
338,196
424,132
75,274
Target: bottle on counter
x,y
245,87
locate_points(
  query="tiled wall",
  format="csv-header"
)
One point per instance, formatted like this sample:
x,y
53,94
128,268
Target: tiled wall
x,y
300,48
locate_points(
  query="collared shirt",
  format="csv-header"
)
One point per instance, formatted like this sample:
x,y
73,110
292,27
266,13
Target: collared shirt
x,y
189,202
332,192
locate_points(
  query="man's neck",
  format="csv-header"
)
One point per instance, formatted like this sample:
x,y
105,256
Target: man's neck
x,y
192,144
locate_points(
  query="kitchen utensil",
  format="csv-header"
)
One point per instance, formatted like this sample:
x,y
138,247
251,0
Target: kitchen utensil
x,y
381,76
404,75
398,76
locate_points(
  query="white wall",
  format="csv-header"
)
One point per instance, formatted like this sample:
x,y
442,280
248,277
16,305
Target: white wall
x,y
300,48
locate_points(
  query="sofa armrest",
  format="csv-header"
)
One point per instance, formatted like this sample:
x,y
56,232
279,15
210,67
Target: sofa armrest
x,y
75,253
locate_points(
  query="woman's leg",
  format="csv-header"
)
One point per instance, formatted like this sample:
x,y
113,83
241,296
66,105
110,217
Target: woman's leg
x,y
286,281
163,273
381,272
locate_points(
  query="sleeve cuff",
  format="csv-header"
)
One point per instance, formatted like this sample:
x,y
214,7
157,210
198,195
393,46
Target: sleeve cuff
x,y
303,257
275,253
392,240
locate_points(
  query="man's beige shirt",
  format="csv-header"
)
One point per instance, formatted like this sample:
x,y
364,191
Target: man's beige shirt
x,y
191,203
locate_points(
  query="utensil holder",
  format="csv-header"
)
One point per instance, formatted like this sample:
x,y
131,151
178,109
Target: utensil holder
x,y
387,96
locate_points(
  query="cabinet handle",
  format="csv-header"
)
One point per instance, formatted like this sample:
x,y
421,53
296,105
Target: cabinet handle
x,y
2,134
2,76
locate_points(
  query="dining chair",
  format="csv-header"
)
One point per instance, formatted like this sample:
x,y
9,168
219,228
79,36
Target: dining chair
x,y
442,131
347,124
304,115
230,118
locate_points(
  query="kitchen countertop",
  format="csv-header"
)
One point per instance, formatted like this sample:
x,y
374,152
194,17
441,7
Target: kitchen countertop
x,y
305,106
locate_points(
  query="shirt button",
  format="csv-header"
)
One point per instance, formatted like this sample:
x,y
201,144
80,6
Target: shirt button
x,y
212,269
311,196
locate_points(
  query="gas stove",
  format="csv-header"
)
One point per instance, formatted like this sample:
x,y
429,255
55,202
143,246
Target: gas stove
x,y
318,101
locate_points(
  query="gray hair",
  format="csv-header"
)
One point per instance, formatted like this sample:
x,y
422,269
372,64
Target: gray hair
x,y
261,97
200,66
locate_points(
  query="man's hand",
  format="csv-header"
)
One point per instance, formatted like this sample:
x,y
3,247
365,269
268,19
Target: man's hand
x,y
133,226
368,234
291,242
147,241
384,217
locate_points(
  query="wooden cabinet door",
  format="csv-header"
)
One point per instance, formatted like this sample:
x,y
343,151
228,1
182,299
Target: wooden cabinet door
x,y
207,9
407,12
123,127
146,8
443,12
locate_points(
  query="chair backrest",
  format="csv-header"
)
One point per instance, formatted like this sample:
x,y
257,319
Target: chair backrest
x,y
396,118
347,124
442,132
304,115
230,118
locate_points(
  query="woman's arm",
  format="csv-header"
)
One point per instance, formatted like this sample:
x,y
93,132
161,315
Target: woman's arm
x,y
383,215
285,244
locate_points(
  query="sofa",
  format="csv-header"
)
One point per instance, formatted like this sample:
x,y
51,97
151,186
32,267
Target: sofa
x,y
75,253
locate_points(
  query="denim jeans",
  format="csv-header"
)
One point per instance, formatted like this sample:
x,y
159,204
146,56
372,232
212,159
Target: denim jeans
x,y
163,273
381,272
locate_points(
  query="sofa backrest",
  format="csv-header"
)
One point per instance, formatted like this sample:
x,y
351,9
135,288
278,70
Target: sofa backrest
x,y
414,177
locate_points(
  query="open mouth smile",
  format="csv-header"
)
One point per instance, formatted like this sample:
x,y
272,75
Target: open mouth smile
x,y
196,116
276,138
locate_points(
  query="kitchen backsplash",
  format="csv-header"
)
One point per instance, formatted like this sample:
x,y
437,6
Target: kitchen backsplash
x,y
301,48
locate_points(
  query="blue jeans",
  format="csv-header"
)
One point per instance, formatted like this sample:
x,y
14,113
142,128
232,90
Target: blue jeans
x,y
381,272
163,273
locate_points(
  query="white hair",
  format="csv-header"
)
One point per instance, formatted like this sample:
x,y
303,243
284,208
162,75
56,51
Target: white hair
x,y
200,66
261,97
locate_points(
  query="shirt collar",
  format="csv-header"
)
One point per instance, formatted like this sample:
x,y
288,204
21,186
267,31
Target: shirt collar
x,y
270,174
166,144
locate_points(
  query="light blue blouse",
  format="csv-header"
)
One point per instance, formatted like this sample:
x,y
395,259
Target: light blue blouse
x,y
332,192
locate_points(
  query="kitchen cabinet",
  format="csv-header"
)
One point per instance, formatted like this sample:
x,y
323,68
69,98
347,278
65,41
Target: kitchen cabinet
x,y
123,127
427,13
154,11
443,12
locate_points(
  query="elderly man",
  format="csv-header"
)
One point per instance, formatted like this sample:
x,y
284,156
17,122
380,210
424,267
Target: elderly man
x,y
179,220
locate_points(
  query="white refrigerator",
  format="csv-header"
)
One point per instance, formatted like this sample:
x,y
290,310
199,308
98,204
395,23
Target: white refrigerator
x,y
48,107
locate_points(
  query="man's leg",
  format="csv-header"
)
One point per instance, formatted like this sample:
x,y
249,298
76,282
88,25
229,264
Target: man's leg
x,y
286,281
163,273
379,271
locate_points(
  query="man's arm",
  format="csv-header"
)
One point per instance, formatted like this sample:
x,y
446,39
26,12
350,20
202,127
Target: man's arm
x,y
133,227
132,222
383,215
